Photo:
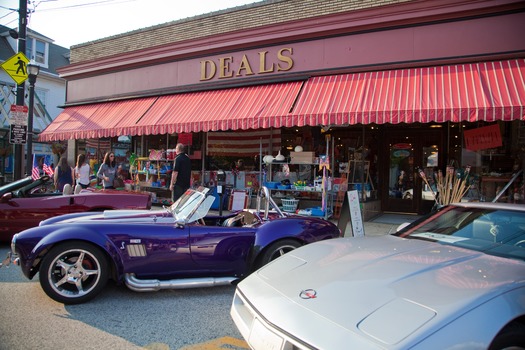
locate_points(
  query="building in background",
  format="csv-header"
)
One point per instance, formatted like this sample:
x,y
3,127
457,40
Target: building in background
x,y
50,91
389,90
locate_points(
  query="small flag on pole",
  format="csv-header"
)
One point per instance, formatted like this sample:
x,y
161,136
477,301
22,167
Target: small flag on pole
x,y
41,166
35,174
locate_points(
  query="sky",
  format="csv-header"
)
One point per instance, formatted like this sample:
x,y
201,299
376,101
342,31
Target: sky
x,y
71,22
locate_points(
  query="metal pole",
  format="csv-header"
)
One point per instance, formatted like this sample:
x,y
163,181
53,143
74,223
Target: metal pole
x,y
22,23
29,158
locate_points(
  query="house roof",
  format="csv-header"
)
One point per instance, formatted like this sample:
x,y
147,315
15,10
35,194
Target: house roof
x,y
58,55
6,50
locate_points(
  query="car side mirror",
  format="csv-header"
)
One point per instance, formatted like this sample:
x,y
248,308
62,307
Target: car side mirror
x,y
180,223
6,197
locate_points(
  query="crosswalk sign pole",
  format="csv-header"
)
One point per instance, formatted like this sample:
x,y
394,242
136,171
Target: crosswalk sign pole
x,y
20,99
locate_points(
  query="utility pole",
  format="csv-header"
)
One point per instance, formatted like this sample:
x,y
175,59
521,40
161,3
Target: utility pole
x,y
20,99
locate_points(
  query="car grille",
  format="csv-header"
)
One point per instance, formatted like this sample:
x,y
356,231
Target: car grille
x,y
259,333
135,250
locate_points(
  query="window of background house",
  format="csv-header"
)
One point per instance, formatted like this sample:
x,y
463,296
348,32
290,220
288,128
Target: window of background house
x,y
36,51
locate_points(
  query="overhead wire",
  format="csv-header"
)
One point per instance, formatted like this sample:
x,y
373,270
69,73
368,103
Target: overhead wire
x,y
34,4
91,3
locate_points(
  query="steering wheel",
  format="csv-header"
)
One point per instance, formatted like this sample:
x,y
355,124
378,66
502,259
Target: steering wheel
x,y
520,244
38,190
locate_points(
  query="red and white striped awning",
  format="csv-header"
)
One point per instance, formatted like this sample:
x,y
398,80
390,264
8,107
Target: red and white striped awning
x,y
252,107
96,120
486,91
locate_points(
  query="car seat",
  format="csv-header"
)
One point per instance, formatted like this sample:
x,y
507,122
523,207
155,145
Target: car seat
x,y
78,188
68,189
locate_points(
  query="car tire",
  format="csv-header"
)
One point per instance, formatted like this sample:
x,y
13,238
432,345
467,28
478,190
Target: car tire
x,y
276,250
65,281
510,337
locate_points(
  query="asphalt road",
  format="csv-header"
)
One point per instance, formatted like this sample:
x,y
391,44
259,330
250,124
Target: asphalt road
x,y
116,319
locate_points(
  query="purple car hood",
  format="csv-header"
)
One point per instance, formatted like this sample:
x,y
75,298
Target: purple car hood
x,y
378,285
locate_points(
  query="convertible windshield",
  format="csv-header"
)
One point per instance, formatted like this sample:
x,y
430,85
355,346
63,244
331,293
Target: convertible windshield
x,y
494,231
188,203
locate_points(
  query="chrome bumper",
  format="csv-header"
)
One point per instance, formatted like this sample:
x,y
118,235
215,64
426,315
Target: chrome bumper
x,y
11,257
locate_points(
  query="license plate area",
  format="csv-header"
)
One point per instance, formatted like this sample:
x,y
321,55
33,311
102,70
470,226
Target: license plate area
x,y
263,338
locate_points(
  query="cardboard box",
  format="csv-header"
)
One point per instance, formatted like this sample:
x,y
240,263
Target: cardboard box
x,y
302,157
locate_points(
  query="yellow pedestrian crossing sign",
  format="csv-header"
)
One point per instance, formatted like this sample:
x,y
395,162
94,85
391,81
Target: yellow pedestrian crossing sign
x,y
16,67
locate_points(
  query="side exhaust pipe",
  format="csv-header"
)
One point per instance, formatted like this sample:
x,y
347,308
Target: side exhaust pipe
x,y
140,285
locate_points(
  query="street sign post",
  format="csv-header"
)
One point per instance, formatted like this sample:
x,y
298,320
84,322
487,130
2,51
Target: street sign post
x,y
16,67
18,115
18,122
18,134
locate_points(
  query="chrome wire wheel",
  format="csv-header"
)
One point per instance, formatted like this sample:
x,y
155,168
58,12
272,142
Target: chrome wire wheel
x,y
73,272
281,250
276,250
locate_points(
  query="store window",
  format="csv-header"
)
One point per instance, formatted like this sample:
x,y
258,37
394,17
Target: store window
x,y
495,156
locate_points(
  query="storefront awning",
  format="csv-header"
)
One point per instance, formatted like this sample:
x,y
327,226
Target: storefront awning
x,y
96,120
487,91
251,107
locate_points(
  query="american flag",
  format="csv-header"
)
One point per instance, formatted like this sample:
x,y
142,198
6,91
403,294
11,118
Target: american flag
x,y
35,173
244,143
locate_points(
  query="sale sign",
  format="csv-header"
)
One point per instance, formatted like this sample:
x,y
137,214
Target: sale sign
x,y
483,138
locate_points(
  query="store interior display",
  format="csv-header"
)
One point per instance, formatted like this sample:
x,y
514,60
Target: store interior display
x,y
382,164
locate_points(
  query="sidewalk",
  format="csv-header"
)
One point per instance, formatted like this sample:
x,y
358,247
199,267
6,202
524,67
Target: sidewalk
x,y
386,226
373,229
382,225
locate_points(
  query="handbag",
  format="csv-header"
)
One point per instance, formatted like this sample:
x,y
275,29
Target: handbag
x,y
118,182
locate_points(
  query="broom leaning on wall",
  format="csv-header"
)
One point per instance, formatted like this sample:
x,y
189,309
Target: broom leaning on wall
x,y
450,188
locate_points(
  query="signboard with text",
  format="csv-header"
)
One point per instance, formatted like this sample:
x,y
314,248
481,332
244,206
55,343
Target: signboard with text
x,y
351,212
18,124
483,138
17,134
18,115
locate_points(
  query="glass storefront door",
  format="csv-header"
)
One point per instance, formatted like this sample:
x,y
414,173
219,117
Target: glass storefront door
x,y
409,152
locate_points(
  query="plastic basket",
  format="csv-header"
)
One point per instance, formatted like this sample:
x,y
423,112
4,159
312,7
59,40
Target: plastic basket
x,y
290,205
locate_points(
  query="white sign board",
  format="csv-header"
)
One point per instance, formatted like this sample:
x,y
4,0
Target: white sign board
x,y
355,214
18,115
238,201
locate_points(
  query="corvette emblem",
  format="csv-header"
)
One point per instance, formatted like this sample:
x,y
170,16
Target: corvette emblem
x,y
308,294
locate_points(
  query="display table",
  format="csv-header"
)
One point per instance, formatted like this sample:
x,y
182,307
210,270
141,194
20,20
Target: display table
x,y
161,195
304,195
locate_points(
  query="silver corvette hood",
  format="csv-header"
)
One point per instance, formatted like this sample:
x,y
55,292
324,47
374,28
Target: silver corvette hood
x,y
384,288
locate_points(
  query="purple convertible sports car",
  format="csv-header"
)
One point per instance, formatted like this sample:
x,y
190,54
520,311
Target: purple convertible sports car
x,y
178,247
